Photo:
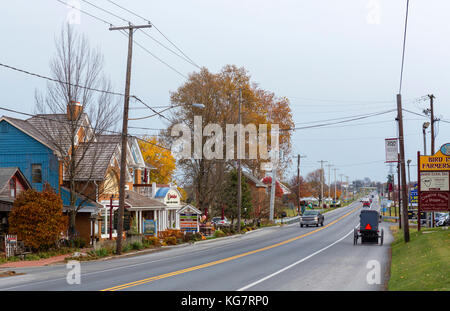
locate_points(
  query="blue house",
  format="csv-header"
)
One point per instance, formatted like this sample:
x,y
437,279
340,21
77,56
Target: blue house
x,y
24,147
25,144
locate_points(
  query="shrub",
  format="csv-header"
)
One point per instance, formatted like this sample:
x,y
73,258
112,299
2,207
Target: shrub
x,y
37,218
78,242
153,240
219,234
137,246
102,252
171,240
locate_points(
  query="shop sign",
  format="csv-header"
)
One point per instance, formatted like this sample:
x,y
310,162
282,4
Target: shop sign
x,y
434,181
150,227
434,201
391,148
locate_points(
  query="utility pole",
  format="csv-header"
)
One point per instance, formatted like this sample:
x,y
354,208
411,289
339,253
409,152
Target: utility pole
x,y
123,156
340,175
239,203
298,181
335,182
402,168
329,179
321,181
431,96
399,199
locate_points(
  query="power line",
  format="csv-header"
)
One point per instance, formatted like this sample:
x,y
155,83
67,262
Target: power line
x,y
147,20
339,122
108,23
106,11
59,81
87,13
340,118
81,126
145,33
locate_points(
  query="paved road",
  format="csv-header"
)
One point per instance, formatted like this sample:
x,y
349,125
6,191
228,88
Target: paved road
x,y
286,258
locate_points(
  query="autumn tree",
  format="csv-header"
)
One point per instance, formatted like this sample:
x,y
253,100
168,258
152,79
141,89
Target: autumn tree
x,y
73,111
37,218
162,159
219,93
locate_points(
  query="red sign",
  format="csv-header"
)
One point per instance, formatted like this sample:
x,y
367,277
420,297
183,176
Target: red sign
x,y
172,196
432,201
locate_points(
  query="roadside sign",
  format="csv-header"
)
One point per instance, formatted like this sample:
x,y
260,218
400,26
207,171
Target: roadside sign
x,y
434,175
434,181
391,148
149,227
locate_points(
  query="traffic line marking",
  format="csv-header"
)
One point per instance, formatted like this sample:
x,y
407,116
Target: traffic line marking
x,y
294,264
213,263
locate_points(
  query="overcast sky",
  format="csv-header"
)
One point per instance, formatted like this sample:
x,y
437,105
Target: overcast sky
x,y
332,59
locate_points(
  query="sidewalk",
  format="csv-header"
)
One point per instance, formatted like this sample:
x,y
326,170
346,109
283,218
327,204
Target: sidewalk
x,y
34,263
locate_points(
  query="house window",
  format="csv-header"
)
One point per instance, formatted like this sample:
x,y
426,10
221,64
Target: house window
x,y
36,173
12,186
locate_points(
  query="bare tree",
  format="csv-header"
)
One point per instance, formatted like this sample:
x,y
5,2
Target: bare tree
x,y
74,113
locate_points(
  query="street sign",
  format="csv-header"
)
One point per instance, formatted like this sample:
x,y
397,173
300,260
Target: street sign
x,y
391,148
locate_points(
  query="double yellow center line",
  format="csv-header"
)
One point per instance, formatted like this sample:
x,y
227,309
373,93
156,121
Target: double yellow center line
x,y
213,263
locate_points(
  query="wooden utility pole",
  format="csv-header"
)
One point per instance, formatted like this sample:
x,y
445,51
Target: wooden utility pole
x,y
298,181
239,202
321,182
398,193
329,180
402,169
431,96
123,156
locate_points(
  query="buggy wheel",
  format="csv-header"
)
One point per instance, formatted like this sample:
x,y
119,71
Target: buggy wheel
x,y
355,237
301,226
382,237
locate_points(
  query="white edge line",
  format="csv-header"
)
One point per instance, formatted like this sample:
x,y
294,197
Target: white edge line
x,y
294,264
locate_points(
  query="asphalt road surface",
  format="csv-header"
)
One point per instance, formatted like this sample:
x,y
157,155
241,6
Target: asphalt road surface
x,y
276,258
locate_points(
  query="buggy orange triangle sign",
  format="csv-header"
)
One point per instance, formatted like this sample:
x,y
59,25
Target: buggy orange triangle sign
x,y
368,227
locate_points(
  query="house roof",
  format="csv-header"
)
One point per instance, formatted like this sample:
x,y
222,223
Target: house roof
x,y
30,130
92,160
254,180
162,192
88,205
189,207
7,172
137,200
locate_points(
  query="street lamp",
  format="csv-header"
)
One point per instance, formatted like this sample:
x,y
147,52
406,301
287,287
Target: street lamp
x,y
424,127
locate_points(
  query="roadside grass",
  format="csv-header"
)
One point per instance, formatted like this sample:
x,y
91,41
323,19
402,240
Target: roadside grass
x,y
422,264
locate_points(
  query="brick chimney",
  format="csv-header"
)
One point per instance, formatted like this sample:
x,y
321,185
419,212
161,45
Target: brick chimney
x,y
74,110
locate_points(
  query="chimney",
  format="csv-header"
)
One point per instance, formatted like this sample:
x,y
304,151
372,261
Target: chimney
x,y
153,190
74,110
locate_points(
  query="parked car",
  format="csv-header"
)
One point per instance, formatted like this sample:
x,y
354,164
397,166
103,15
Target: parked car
x,y
444,220
218,221
311,218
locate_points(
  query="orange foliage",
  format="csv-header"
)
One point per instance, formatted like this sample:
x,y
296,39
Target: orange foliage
x,y
37,218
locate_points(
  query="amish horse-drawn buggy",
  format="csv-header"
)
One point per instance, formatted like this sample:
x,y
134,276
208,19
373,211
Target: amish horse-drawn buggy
x,y
368,229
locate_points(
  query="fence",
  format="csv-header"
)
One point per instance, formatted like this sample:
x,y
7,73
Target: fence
x,y
8,244
288,221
